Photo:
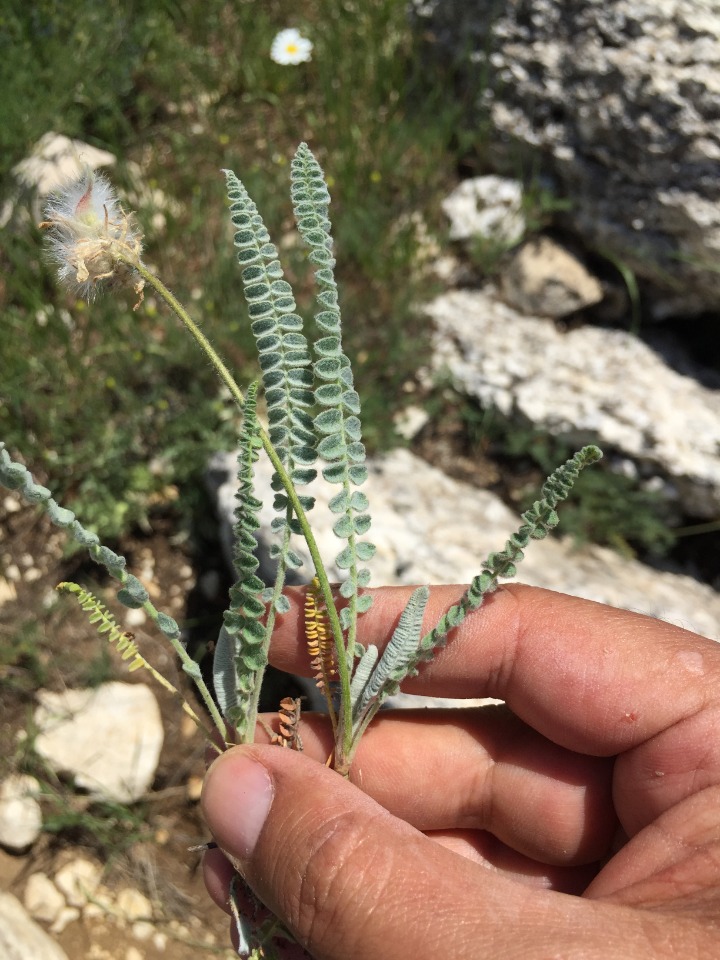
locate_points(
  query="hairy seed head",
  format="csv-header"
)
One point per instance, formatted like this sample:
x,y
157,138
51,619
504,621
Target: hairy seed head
x,y
91,238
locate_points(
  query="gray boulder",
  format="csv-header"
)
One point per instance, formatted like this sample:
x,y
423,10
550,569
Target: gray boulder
x,y
429,528
617,100
584,384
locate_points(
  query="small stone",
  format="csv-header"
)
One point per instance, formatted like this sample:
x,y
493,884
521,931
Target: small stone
x,y
142,930
135,618
162,836
488,207
545,279
410,421
96,952
7,591
20,813
78,880
101,905
91,911
66,916
42,899
194,788
160,941
133,905
188,727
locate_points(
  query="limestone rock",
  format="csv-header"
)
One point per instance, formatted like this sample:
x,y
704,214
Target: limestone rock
x,y
109,738
42,899
587,384
546,279
133,905
20,813
53,160
617,102
488,207
20,937
429,528
66,916
78,880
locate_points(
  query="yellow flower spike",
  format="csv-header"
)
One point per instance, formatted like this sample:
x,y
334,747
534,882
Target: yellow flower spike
x,y
320,643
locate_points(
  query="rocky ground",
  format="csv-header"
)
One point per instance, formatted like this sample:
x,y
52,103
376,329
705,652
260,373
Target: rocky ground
x,y
114,882
547,326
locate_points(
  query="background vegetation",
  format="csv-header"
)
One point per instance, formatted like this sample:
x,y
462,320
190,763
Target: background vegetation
x,y
177,91
180,91
110,407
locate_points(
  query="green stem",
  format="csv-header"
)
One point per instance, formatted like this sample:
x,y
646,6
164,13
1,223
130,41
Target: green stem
x,y
193,670
252,710
343,671
202,341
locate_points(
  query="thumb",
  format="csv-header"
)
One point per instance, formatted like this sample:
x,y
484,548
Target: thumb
x,y
348,879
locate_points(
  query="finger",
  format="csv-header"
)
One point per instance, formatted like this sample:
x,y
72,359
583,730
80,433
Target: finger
x,y
543,801
676,857
593,677
217,874
349,880
486,850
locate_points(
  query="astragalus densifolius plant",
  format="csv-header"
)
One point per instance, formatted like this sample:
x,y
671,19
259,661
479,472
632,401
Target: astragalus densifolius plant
x,y
314,426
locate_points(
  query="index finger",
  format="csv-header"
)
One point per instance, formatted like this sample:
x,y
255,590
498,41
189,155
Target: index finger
x,y
592,678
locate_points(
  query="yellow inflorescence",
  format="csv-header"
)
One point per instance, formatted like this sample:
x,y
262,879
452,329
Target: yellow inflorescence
x,y
317,633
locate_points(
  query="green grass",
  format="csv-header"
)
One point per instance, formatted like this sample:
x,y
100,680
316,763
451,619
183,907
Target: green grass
x,y
112,408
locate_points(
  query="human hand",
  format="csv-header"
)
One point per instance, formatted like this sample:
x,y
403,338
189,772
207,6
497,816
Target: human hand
x,y
584,824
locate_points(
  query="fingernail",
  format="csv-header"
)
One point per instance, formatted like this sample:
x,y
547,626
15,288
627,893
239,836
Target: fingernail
x,y
236,799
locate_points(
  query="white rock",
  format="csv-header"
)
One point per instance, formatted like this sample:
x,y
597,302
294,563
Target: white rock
x,y
133,905
53,160
488,207
616,101
102,903
135,618
109,739
410,421
160,941
429,528
56,158
42,899
143,930
20,937
544,278
7,591
20,813
78,880
591,383
66,916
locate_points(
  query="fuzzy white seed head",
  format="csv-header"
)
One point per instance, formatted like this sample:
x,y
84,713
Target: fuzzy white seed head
x,y
91,239
289,46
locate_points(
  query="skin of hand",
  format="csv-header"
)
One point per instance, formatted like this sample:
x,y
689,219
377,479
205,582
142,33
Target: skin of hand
x,y
579,821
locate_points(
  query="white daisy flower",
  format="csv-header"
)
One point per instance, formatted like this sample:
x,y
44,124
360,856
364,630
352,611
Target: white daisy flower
x,y
289,46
